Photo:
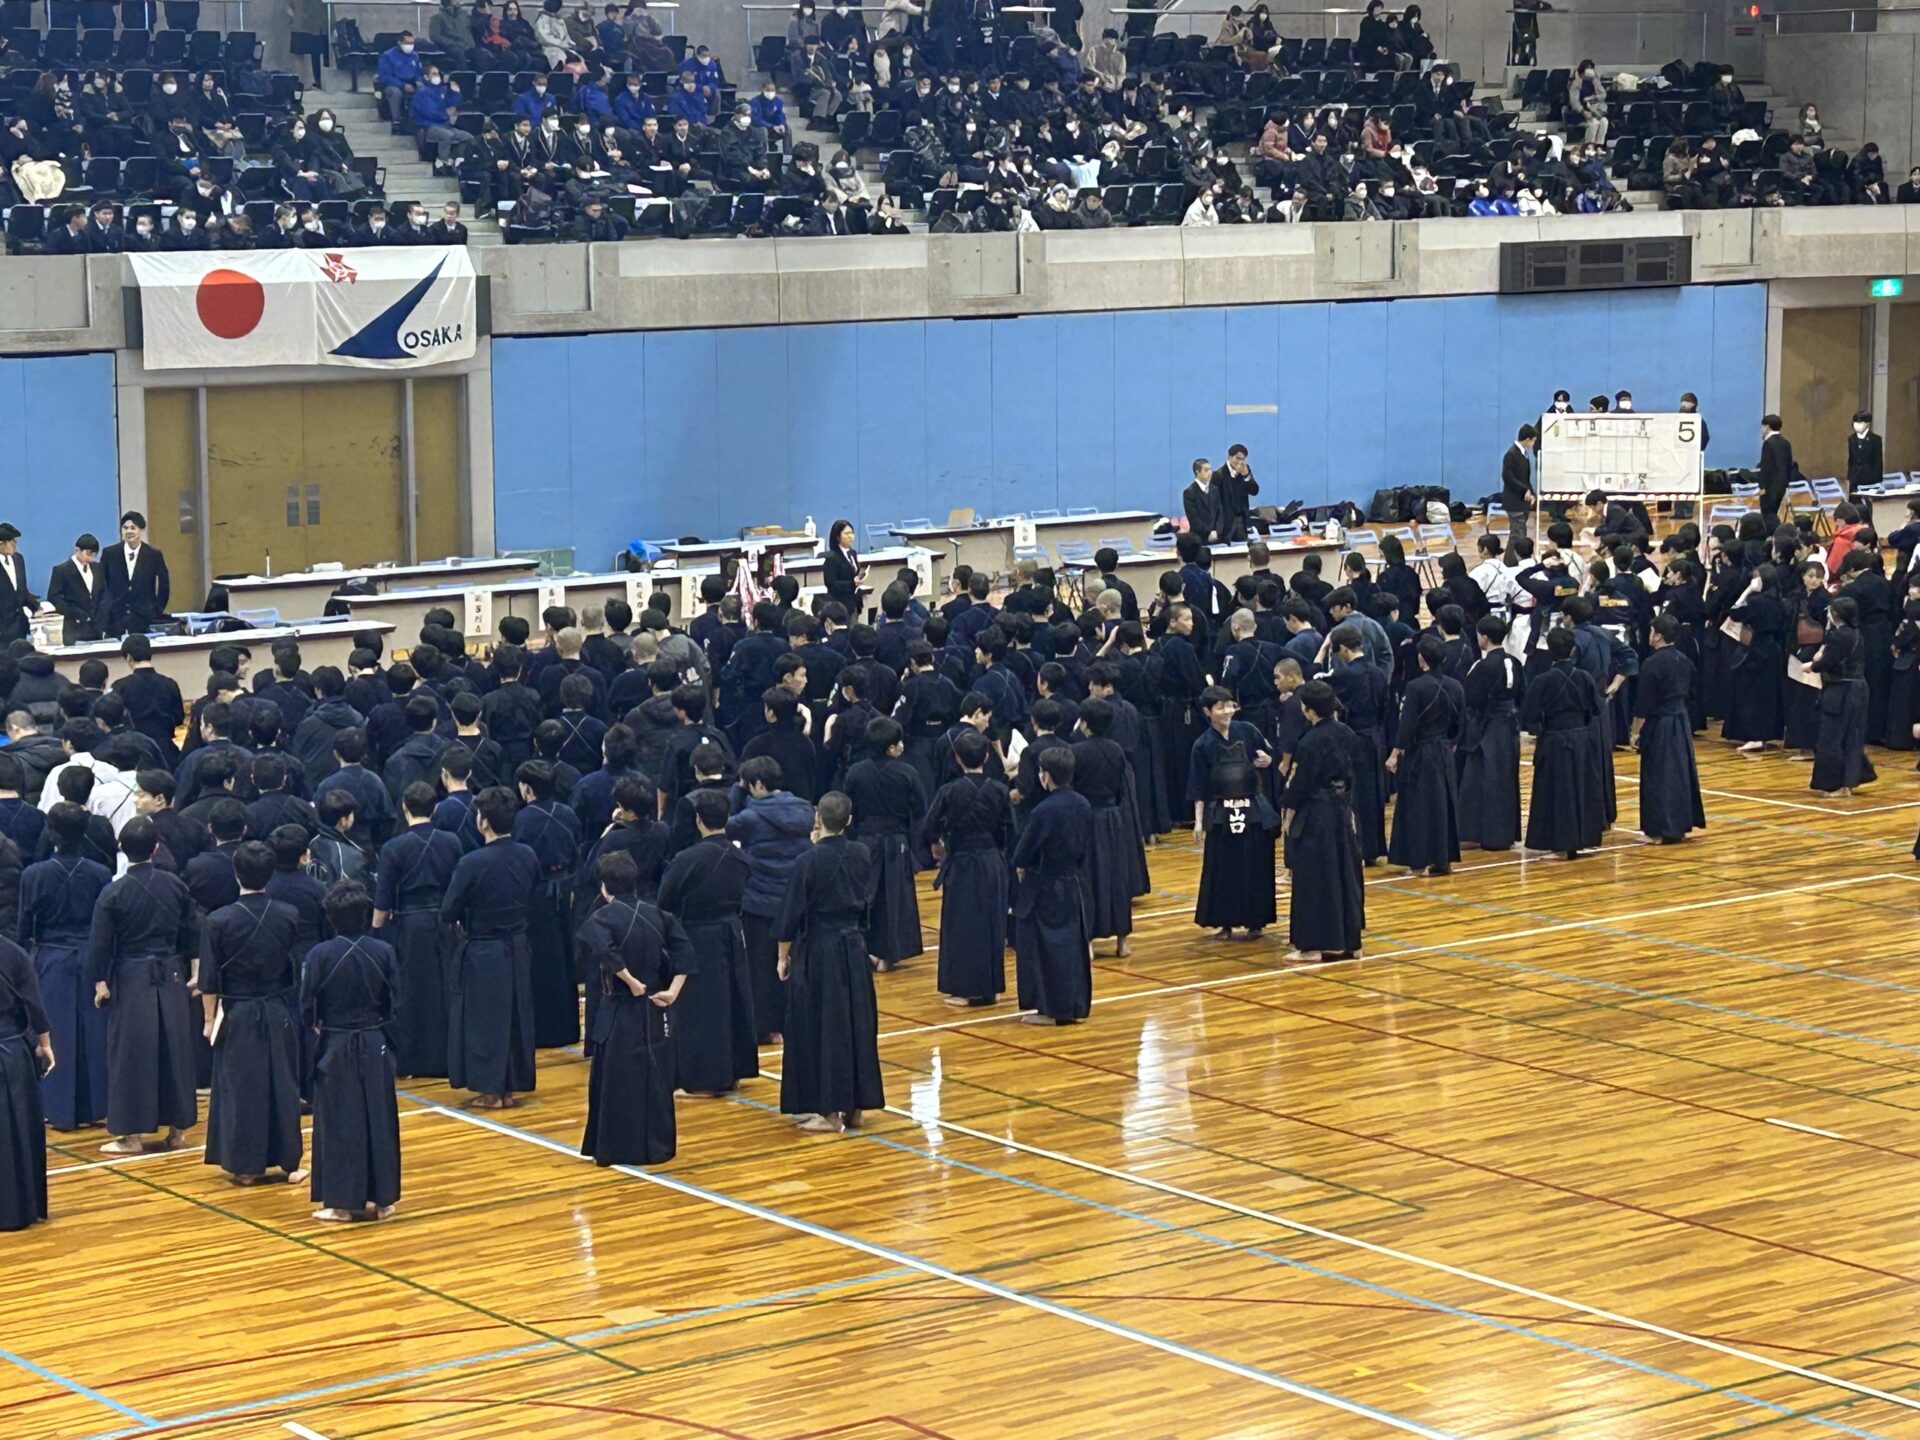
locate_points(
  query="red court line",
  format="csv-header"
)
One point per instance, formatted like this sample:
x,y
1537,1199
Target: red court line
x,y
1439,1155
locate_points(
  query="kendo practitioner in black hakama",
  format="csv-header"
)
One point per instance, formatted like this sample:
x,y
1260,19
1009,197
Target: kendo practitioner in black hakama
x,y
1426,829
1224,788
1052,899
1800,704
929,707
1182,678
968,829
1840,754
145,931
348,990
416,866
1564,815
715,1044
1327,900
830,1071
1609,662
1669,780
26,1056
639,959
1366,703
549,829
1104,776
490,1005
57,897
1754,669
1488,755
248,959
888,809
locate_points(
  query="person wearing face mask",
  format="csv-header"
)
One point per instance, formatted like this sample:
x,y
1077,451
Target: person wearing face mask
x,y
409,227
688,103
167,103
371,231
550,32
140,237
213,117
536,102
840,25
548,164
298,179
582,37
489,169
1866,457
632,106
804,26
577,153
743,153
313,233
185,233
435,111
395,77
597,223
102,109
770,115
706,73
204,198
330,156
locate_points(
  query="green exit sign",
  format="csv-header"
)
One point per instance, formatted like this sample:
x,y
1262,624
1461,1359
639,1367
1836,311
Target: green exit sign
x,y
1887,289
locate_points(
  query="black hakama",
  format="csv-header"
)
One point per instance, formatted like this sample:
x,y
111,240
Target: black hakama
x,y
630,1088
1564,813
23,1125
1426,802
348,989
1118,866
1489,754
57,897
972,819
1327,900
1755,671
831,1064
1365,696
1669,779
715,1045
144,924
550,830
490,1005
1237,888
416,867
1052,941
888,808
1840,754
247,961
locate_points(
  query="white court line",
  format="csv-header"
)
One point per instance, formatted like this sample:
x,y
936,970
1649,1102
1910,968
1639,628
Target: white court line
x,y
1540,858
1794,1125
302,1431
970,1282
1826,810
1446,945
1408,1258
119,1160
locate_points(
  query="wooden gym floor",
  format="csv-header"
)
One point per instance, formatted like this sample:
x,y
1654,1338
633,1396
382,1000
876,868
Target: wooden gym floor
x,y
1607,1149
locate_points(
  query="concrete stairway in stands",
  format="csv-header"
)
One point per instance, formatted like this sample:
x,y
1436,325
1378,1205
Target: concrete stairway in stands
x,y
408,177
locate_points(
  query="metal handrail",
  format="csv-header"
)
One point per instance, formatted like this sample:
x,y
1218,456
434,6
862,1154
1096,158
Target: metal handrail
x,y
791,6
1852,12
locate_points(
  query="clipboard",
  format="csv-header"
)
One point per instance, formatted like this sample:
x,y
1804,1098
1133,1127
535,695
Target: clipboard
x,y
1801,673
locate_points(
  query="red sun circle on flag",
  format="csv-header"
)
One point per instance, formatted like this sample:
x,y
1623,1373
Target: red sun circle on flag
x,y
229,303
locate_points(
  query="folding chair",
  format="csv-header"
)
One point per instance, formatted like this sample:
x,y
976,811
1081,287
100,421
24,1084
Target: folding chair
x,y
880,534
1160,541
1496,511
1041,515
1083,510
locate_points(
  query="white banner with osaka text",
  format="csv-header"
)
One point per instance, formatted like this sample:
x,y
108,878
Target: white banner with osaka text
x,y
387,308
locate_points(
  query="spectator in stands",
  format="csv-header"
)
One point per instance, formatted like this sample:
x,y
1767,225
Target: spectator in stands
x,y
590,95
610,35
1202,212
37,176
632,106
1378,44
550,33
842,25
536,102
291,165
1725,100
520,37
213,117
435,113
743,154
688,102
1800,174
1909,193
1810,127
1092,213
370,231
284,232
1106,62
70,238
1322,180
596,222
1415,43
450,31
203,198
107,118
582,36
140,238
396,75
770,115
447,230
1587,103
1868,177
185,233
330,155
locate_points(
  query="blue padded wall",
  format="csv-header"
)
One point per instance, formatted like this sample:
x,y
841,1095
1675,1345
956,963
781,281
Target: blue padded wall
x,y
59,454
599,439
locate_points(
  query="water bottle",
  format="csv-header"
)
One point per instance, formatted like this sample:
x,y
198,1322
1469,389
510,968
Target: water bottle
x,y
812,532
1333,529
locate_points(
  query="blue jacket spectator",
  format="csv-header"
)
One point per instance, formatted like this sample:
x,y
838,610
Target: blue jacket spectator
x,y
773,832
590,100
632,105
433,104
612,37
769,112
534,102
704,69
689,103
398,65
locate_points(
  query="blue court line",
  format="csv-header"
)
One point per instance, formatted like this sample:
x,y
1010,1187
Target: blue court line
x,y
322,1392
1407,1297
54,1377
934,1269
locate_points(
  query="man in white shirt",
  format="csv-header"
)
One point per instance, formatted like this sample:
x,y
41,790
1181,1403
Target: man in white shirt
x,y
136,577
113,789
1494,577
78,591
17,602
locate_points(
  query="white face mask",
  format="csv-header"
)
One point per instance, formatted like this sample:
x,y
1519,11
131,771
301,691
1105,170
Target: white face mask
x,y
1860,428
551,125
143,228
300,134
326,125
168,89
187,222
582,131
406,49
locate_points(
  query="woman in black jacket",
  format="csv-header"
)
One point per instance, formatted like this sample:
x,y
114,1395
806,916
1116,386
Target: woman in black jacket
x,y
841,571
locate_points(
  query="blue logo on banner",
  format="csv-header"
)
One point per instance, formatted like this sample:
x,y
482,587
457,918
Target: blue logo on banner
x,y
379,338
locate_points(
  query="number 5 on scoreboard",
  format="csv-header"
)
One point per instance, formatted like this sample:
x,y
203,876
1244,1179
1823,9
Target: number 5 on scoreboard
x,y
1687,432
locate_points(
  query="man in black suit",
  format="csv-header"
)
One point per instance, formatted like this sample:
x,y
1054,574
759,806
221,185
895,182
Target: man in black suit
x,y
1776,471
1237,489
447,230
78,591
1202,500
1516,482
137,584
17,602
